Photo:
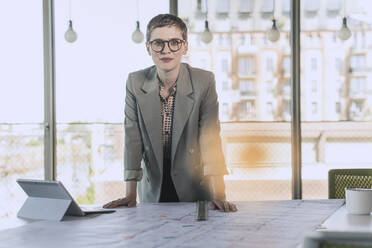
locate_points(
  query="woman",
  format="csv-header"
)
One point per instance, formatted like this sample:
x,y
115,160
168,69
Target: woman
x,y
172,142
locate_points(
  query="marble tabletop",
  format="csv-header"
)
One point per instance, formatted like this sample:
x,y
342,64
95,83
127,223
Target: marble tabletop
x,y
256,224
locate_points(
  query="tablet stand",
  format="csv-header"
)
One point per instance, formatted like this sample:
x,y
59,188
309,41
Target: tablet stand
x,y
44,208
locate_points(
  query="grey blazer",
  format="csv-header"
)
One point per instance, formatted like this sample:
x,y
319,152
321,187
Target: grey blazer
x,y
196,143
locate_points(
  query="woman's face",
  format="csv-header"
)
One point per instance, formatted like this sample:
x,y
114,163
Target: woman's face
x,y
165,59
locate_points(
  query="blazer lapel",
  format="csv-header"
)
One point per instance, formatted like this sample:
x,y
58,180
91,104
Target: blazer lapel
x,y
149,104
183,106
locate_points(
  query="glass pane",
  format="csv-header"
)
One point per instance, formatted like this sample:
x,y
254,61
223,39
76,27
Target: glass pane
x,y
21,100
91,74
253,85
246,66
267,6
223,6
312,5
200,10
336,95
333,5
246,6
286,7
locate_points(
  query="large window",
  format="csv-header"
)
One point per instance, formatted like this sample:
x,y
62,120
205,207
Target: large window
x,y
253,78
335,94
90,83
336,101
90,91
253,84
21,100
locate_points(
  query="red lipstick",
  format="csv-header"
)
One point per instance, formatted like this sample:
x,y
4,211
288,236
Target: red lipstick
x,y
166,60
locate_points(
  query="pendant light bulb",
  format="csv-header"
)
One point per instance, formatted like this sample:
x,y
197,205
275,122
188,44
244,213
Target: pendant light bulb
x,y
70,35
273,34
137,35
207,35
344,33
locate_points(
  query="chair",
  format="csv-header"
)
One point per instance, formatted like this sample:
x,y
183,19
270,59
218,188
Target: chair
x,y
339,179
327,239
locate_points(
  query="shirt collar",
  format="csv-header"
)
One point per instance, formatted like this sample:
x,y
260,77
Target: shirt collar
x,y
172,90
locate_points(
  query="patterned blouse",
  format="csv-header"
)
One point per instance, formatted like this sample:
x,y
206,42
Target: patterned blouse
x,y
167,109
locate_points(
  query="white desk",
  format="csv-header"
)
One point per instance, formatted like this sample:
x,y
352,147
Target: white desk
x,y
13,223
343,229
256,224
344,222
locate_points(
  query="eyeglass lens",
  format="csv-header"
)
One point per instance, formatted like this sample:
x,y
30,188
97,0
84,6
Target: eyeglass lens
x,y
159,45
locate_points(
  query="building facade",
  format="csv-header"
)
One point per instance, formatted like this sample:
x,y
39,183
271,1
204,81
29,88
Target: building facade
x,y
253,73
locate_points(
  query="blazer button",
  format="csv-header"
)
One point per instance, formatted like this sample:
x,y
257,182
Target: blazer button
x,y
191,151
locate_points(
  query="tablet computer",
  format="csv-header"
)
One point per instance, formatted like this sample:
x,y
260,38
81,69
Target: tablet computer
x,y
56,190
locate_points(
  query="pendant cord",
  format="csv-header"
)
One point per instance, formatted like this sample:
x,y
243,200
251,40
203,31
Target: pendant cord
x,y
344,8
69,9
206,10
137,10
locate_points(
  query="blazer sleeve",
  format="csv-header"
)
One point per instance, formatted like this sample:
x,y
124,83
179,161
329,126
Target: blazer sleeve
x,y
209,136
133,148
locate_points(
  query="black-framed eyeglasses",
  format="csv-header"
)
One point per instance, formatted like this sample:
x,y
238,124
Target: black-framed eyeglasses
x,y
158,45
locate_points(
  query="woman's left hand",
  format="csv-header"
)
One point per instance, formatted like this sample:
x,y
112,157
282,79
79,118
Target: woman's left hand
x,y
223,205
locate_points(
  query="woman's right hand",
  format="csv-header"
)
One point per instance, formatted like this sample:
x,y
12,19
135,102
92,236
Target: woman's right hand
x,y
126,201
